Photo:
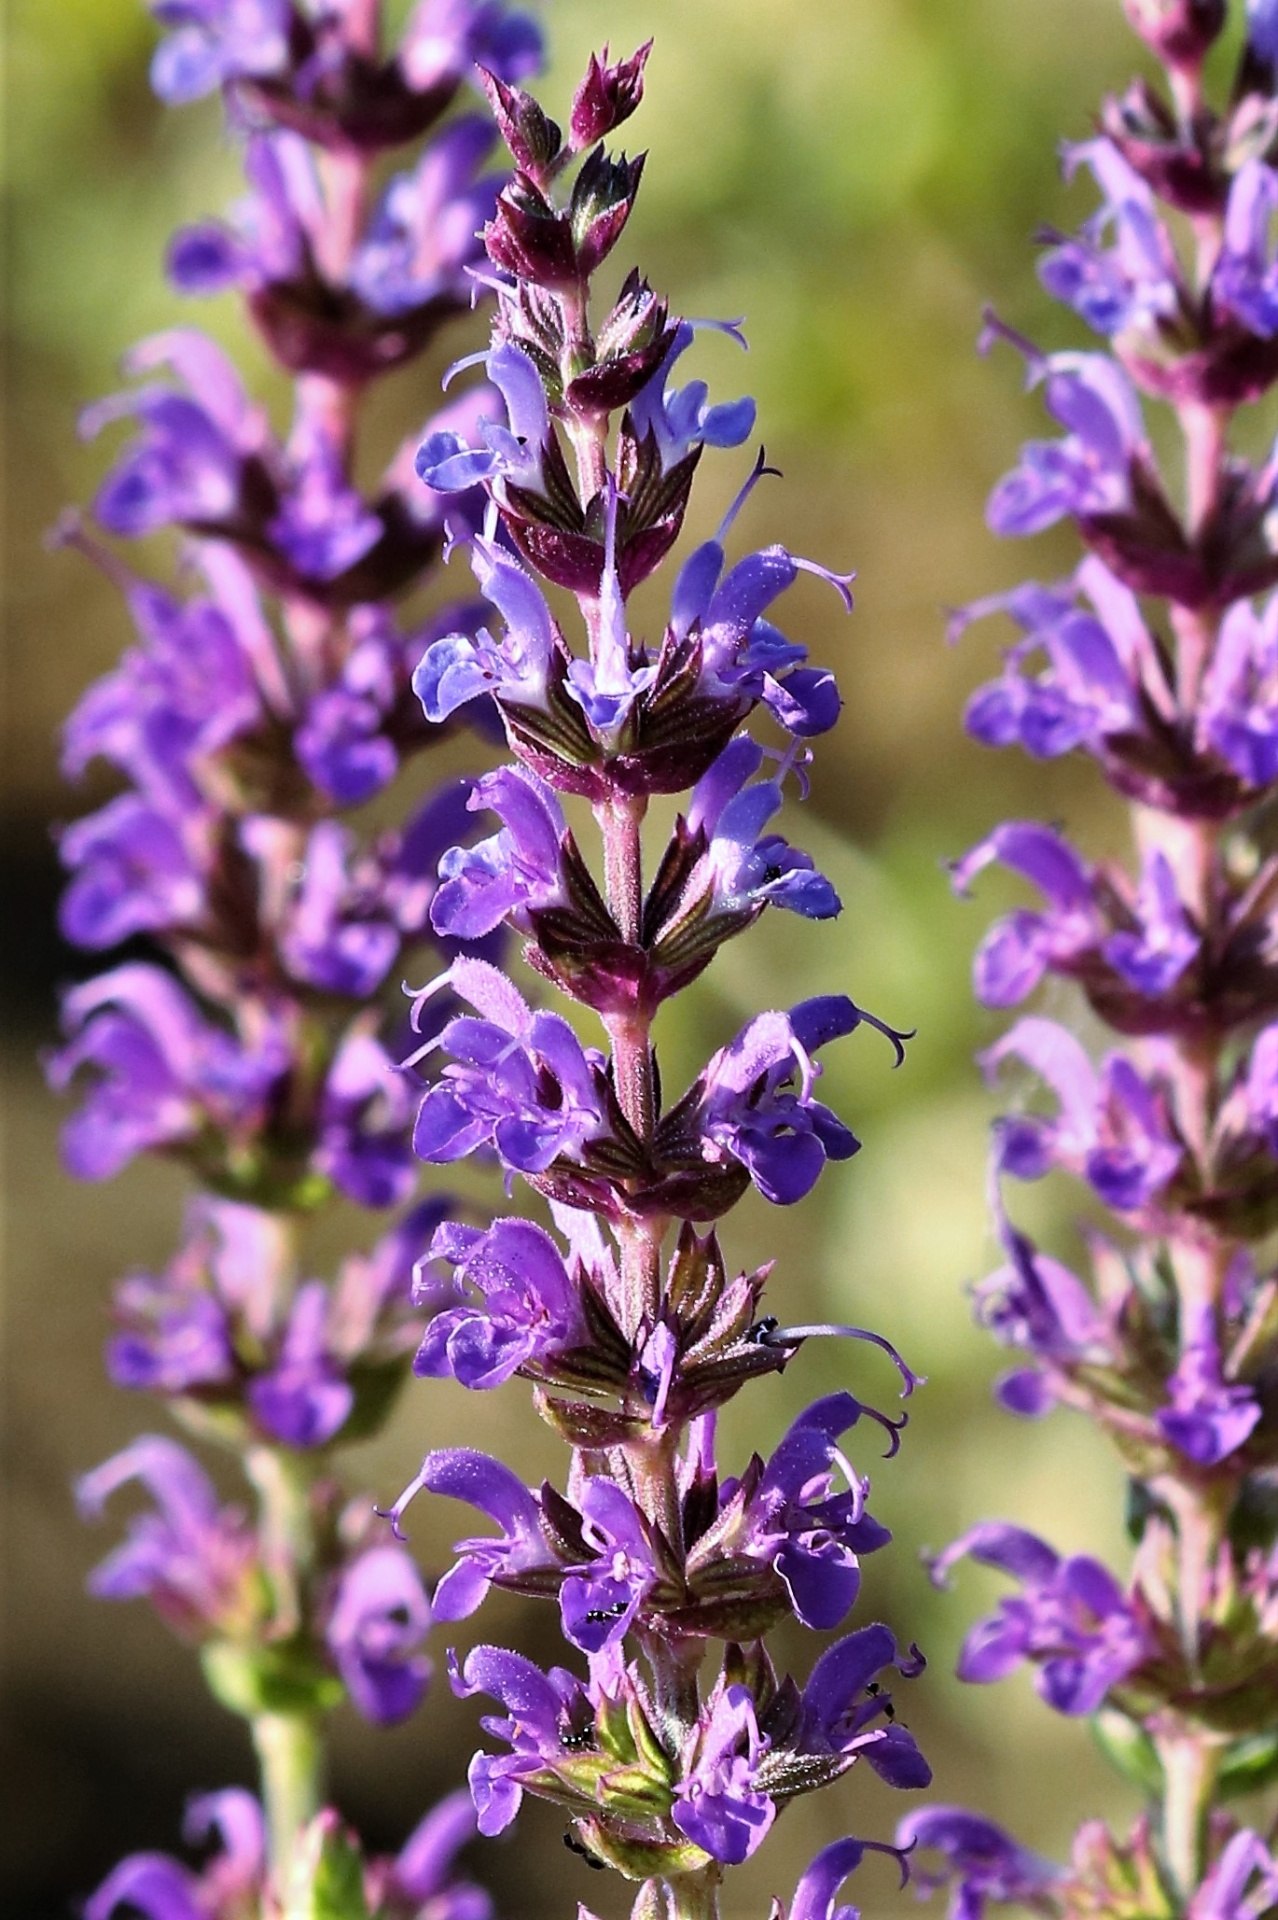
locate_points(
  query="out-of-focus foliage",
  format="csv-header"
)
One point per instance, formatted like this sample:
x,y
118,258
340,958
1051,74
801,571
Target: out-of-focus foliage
x,y
855,179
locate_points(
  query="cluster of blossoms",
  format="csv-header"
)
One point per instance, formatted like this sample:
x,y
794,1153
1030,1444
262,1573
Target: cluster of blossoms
x,y
1158,660
673,1743
269,696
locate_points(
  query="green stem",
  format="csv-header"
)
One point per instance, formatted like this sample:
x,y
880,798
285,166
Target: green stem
x,y
289,1746
1189,1766
695,1896
290,1758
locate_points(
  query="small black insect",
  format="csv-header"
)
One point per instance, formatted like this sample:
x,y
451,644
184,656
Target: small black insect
x,y
759,1332
575,1739
574,1845
874,1690
614,1612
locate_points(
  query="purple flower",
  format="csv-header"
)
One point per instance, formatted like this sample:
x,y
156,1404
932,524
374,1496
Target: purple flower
x,y
1132,282
1238,711
515,873
600,1598
1262,28
1096,663
193,1559
980,1861
212,42
444,40
1243,1883
741,1107
161,1888
322,525
304,1399
1245,280
512,1304
1071,1620
1018,950
462,666
135,869
743,657
841,1704
363,1115
790,1516
186,465
743,869
1163,944
547,1716
520,1081
1037,1305
379,1617
1089,471
718,1803
163,1073
419,1881
1206,1419
1111,1129
195,684
411,255
815,1894
510,451
679,419
460,1473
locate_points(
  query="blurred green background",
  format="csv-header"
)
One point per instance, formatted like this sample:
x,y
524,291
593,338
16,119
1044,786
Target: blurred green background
x,y
856,180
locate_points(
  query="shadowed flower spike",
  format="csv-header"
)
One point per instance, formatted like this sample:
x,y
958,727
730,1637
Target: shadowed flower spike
x,y
379,1618
512,1304
979,1861
1071,1620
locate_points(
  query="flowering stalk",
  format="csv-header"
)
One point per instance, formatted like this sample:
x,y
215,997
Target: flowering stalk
x,y
674,1753
1157,661
240,1036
